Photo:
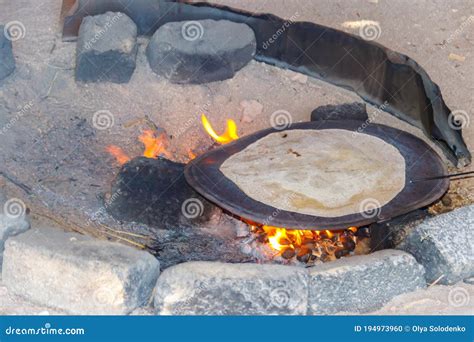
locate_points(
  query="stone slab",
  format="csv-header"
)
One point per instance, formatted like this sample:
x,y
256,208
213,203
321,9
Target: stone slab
x,y
78,274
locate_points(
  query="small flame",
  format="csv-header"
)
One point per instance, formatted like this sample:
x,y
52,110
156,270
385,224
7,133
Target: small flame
x,y
154,145
118,153
228,136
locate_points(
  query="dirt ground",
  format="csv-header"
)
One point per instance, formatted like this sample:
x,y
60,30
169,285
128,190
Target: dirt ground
x,y
51,145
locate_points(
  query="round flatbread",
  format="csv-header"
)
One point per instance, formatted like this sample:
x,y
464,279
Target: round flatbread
x,y
326,173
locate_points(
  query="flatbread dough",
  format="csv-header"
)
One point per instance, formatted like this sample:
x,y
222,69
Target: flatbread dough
x,y
326,173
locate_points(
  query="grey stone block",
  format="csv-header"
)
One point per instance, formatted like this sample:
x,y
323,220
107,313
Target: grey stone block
x,y
444,245
200,51
106,48
213,288
362,283
7,61
10,226
346,111
78,274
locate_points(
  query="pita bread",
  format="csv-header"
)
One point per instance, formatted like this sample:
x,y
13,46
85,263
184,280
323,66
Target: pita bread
x,y
326,173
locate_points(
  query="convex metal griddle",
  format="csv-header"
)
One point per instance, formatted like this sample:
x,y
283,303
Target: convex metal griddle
x,y
422,162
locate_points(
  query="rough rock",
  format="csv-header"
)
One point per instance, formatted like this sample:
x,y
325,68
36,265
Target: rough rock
x,y
212,288
200,51
78,274
346,111
106,48
7,61
154,192
362,283
443,245
10,226
251,110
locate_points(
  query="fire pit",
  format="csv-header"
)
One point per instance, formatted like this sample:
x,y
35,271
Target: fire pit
x,y
144,167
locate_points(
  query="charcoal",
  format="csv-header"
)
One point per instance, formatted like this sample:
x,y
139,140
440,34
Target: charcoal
x,y
154,192
200,51
346,111
7,61
106,48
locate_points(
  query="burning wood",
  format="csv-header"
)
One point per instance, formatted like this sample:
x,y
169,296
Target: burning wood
x,y
307,246
155,145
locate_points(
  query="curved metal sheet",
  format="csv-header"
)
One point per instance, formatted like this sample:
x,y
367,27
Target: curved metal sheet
x,y
377,74
203,174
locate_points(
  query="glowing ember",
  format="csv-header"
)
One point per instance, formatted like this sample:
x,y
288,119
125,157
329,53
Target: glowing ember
x,y
228,136
307,246
155,146
191,155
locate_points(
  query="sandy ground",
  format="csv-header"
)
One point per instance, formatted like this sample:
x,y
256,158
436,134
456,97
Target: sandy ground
x,y
52,146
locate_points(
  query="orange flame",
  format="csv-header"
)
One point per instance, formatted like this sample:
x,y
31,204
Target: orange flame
x,y
280,238
118,153
154,147
228,136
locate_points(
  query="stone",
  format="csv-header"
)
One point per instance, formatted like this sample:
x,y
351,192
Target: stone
x,y
443,245
346,111
213,288
10,226
78,274
200,51
251,109
7,61
362,283
300,78
106,48
155,192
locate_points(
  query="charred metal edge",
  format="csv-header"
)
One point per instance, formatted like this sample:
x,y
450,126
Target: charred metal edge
x,y
397,84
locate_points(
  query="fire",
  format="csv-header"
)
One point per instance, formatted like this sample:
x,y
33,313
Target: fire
x,y
118,153
308,245
228,136
155,145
